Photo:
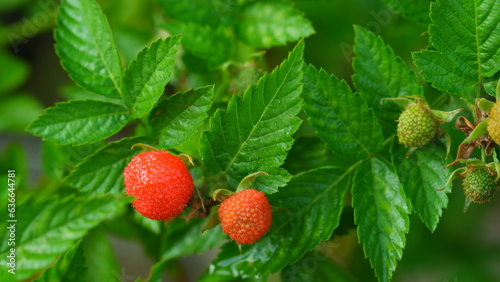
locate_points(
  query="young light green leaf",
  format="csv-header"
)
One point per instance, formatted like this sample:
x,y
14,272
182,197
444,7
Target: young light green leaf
x,y
214,45
145,78
466,37
272,23
254,134
70,267
422,175
341,118
379,74
47,228
177,118
87,49
80,121
381,214
102,172
310,205
415,10
184,239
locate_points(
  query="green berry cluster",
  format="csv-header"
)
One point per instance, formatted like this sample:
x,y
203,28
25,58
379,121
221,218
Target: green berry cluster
x,y
479,184
417,125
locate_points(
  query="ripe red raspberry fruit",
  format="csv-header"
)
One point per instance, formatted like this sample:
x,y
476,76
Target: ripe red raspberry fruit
x,y
245,216
160,182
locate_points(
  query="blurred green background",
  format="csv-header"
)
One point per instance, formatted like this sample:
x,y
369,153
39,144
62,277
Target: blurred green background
x,y
465,247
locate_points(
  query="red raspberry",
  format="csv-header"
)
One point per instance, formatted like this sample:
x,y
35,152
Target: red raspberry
x,y
245,216
161,183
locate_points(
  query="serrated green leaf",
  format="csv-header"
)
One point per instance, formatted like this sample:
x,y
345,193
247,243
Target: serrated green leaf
x,y
212,44
310,207
341,118
47,228
422,175
254,134
145,78
272,23
466,37
379,74
87,49
58,161
70,267
102,172
79,122
490,84
208,12
315,266
183,239
381,214
277,177
177,118
415,10
308,152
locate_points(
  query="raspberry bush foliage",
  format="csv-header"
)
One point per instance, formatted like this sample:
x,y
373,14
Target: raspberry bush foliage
x,y
230,91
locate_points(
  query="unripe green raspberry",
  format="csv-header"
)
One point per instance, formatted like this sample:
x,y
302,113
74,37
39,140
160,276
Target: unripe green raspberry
x,y
494,122
479,184
417,125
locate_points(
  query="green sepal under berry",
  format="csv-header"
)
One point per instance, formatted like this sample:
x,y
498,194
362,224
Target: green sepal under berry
x,y
479,183
417,125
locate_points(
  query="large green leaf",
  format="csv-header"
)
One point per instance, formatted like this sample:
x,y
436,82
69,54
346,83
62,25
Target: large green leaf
x,y
271,23
315,266
416,10
80,121
341,118
422,175
308,152
254,134
214,45
208,12
47,228
466,36
381,214
183,239
145,78
379,74
177,118
57,161
70,267
309,211
102,263
87,49
102,172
